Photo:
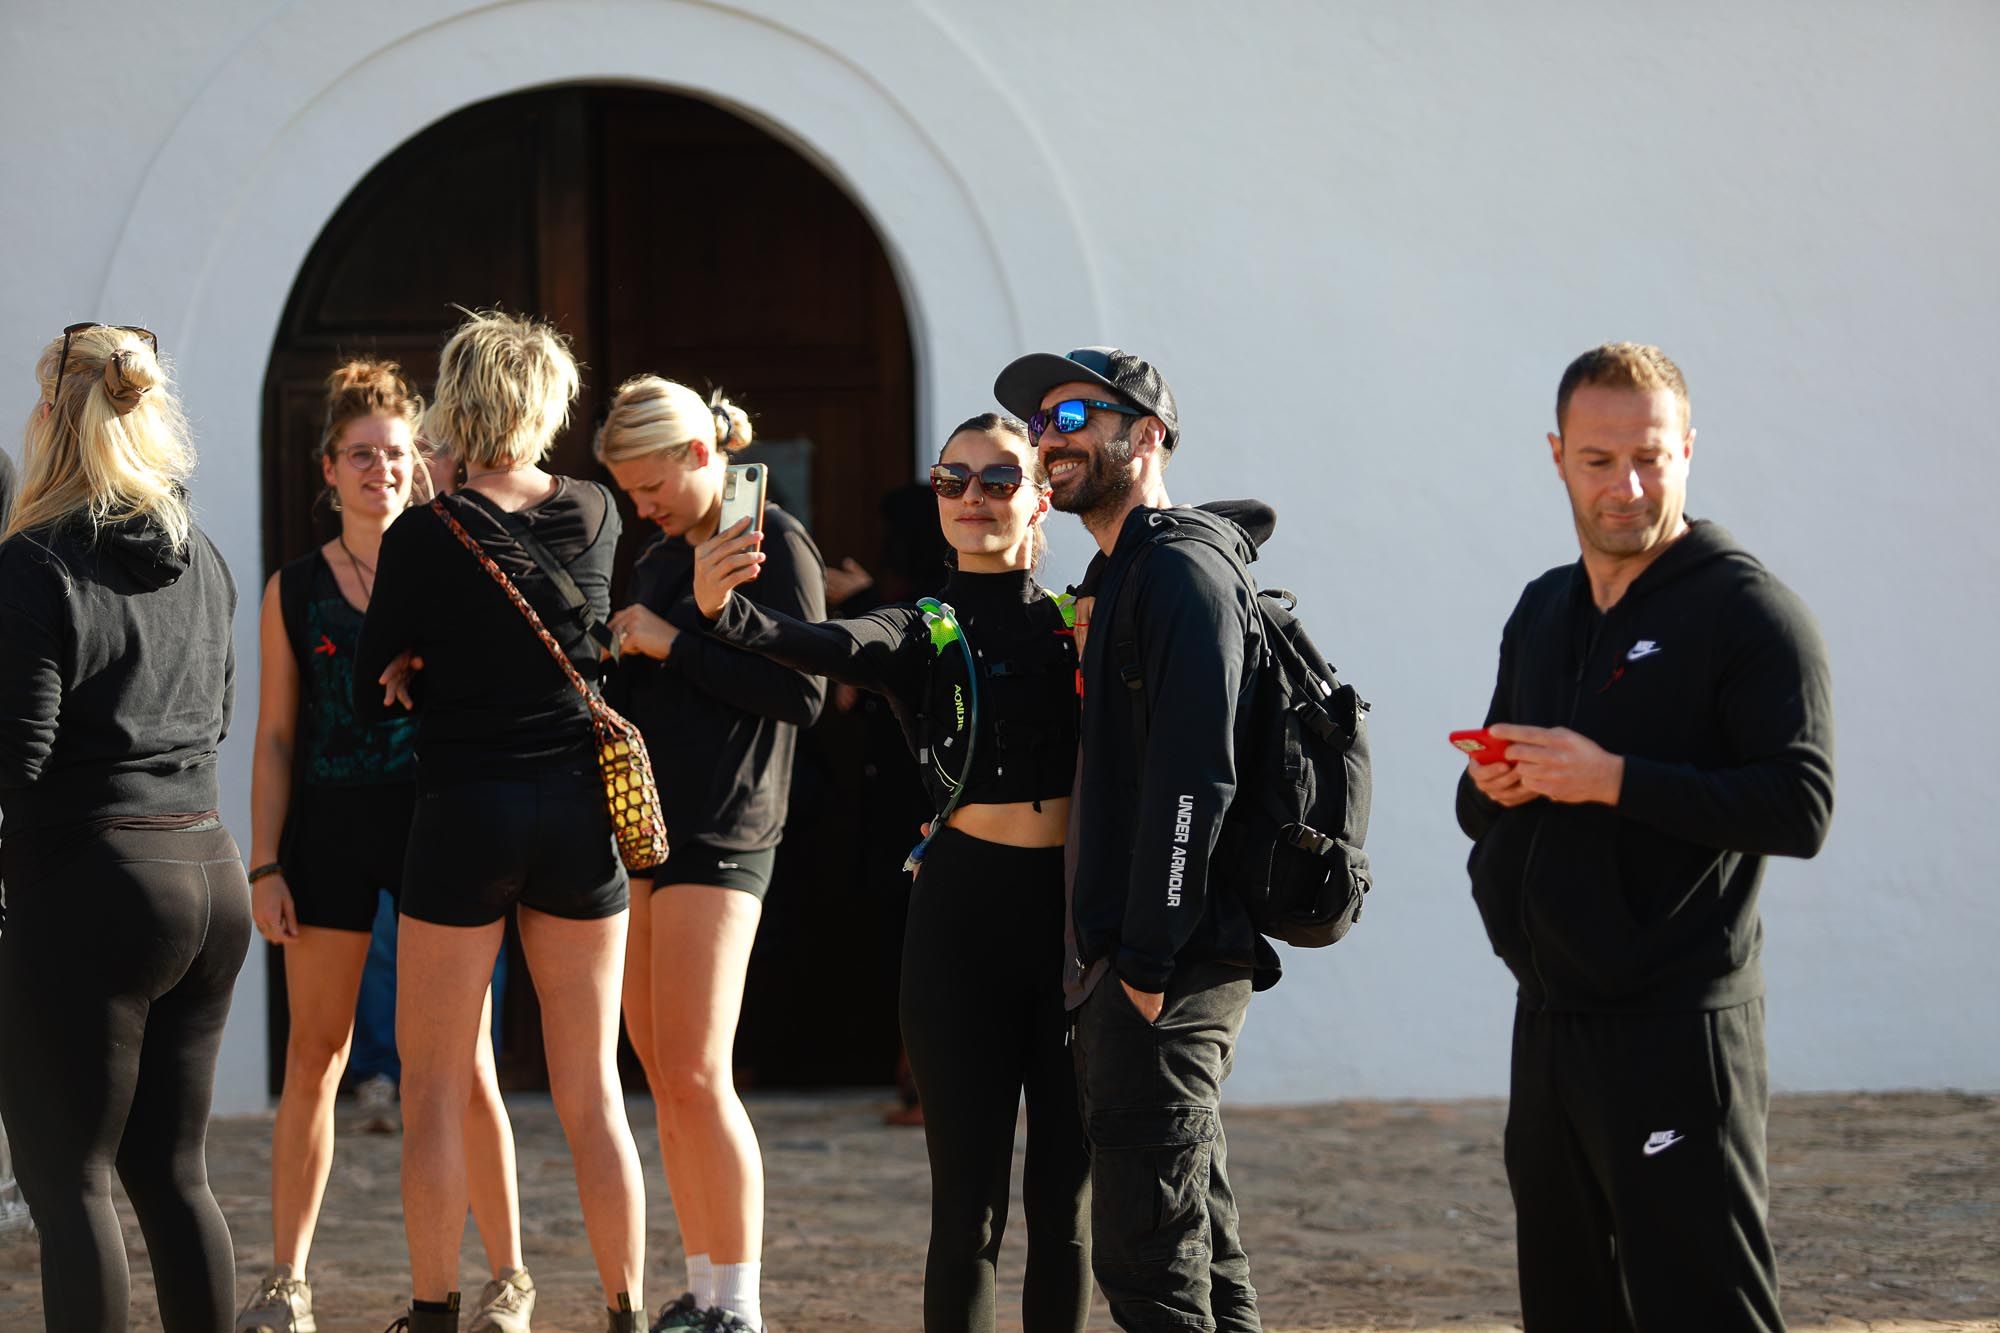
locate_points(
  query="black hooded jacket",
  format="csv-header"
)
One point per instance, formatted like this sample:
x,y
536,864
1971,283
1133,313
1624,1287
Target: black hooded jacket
x,y
1709,677
1146,817
117,674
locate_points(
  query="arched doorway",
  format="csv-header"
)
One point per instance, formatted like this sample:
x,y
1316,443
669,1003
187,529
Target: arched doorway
x,y
661,233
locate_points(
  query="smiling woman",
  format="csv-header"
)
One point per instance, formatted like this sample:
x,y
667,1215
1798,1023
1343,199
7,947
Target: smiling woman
x,y
320,777
983,685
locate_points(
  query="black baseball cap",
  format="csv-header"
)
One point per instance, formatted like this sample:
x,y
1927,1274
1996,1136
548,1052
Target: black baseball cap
x,y
1022,384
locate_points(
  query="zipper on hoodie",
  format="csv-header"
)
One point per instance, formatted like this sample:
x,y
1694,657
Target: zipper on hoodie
x,y
1535,838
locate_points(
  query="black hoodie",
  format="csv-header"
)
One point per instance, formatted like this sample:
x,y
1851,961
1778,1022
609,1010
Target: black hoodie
x,y
1146,818
117,674
1710,678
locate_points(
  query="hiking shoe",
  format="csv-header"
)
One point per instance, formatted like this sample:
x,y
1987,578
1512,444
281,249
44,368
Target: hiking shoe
x,y
683,1313
282,1304
720,1320
504,1304
376,1096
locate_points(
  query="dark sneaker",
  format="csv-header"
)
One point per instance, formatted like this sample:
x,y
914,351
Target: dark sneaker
x,y
720,1320
282,1304
505,1305
427,1321
683,1313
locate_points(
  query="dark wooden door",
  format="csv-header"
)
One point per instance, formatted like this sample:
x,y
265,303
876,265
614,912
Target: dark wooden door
x,y
661,234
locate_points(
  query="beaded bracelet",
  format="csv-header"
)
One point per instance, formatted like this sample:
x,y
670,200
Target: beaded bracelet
x,y
268,868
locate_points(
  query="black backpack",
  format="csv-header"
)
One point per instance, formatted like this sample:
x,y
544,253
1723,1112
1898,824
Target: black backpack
x,y
1290,845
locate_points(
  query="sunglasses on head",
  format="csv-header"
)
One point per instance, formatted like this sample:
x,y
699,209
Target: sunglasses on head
x,y
998,481
1068,416
62,363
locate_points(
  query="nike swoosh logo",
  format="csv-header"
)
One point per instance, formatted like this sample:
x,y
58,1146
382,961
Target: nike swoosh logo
x,y
1659,1143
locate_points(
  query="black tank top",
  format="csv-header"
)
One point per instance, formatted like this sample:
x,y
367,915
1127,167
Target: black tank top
x,y
337,749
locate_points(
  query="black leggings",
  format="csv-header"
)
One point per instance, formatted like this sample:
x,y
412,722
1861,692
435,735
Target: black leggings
x,y
117,960
983,1019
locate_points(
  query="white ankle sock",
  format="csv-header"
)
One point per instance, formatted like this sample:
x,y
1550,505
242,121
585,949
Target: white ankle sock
x,y
736,1291
701,1280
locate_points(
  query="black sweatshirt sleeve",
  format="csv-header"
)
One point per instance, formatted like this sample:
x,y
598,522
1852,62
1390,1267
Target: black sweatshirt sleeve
x,y
1193,617
793,588
396,610
31,656
1775,698
1477,814
876,652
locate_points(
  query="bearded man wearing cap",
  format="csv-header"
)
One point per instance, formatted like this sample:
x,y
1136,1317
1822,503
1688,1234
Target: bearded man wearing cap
x,y
1161,961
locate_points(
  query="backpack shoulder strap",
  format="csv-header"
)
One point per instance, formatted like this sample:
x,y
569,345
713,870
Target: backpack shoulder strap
x,y
1125,620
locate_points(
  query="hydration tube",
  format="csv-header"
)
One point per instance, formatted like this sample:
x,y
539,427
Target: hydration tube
x,y
945,630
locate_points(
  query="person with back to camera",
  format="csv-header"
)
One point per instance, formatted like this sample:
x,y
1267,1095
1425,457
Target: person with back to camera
x,y
511,811
330,807
1667,722
981,1000
721,726
127,911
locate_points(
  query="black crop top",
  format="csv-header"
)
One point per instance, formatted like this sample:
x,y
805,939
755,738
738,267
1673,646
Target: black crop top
x,y
1026,652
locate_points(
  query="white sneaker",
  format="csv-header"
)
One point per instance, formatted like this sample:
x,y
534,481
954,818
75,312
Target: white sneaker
x,y
376,1096
505,1305
282,1304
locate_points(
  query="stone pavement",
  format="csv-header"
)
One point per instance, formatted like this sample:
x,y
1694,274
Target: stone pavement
x,y
1357,1215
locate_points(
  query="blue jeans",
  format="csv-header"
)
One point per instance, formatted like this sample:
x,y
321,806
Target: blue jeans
x,y
375,1009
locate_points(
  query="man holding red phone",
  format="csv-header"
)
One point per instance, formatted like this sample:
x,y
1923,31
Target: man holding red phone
x,y
1666,713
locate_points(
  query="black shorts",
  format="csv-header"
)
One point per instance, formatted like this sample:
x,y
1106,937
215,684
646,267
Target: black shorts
x,y
692,861
477,848
343,846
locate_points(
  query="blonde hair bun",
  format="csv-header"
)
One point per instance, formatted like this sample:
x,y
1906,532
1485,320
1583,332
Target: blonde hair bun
x,y
129,373
737,437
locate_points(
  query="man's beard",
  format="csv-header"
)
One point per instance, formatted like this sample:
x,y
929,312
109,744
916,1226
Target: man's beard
x,y
1106,480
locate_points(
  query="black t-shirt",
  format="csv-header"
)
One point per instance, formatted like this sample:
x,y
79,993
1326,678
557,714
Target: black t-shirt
x,y
1025,747
491,701
721,724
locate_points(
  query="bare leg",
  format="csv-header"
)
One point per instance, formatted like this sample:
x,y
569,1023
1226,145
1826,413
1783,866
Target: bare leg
x,y
576,968
489,1157
637,1002
441,979
322,979
701,951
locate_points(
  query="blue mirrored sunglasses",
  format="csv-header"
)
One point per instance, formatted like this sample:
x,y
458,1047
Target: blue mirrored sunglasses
x,y
1068,416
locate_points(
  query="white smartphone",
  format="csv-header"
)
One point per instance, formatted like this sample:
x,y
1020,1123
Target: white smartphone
x,y
743,494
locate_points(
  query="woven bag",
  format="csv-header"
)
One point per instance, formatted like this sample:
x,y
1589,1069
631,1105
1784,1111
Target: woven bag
x,y
629,791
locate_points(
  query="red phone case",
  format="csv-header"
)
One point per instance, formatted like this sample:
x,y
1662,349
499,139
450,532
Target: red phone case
x,y
1480,745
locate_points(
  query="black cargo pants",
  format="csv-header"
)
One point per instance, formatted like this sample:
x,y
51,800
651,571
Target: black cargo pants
x,y
1163,1221
1635,1150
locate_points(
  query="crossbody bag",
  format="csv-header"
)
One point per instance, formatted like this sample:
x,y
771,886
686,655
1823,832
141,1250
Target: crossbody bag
x,y
629,791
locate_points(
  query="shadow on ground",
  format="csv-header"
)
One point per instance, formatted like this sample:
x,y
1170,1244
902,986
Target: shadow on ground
x,y
1358,1216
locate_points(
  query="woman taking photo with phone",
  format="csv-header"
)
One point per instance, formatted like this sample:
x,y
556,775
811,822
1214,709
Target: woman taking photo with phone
x,y
984,685
511,810
127,914
721,726
330,806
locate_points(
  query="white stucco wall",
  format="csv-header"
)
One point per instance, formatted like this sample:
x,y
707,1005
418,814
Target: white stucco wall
x,y
1362,241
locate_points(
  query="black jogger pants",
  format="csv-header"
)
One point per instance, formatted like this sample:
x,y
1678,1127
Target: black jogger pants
x,y
1635,1150
117,961
1162,1216
983,1022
